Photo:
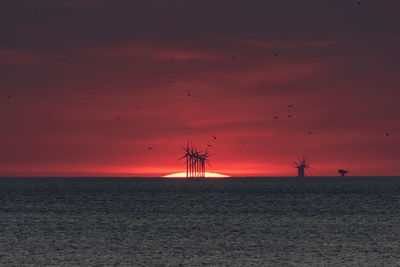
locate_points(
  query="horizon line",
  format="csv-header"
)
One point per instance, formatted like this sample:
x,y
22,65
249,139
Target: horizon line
x,y
305,177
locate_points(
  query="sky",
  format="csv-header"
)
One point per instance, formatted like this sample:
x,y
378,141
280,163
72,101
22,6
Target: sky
x,y
114,88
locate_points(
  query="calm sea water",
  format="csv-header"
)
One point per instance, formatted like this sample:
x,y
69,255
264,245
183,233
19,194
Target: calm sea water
x,y
171,222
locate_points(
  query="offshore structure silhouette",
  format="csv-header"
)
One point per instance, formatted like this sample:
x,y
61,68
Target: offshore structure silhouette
x,y
301,164
195,161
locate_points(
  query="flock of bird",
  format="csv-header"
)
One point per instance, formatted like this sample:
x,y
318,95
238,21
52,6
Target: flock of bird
x,y
188,93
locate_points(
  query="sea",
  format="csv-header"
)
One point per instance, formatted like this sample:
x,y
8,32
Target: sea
x,y
263,221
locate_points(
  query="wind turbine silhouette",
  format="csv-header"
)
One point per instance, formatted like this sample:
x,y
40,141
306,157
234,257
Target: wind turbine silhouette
x,y
195,161
301,165
187,156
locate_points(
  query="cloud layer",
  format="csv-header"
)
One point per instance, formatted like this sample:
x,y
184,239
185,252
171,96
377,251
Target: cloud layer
x,y
88,86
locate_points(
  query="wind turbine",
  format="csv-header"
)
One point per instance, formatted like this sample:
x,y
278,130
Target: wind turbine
x,y
195,161
204,159
187,156
301,165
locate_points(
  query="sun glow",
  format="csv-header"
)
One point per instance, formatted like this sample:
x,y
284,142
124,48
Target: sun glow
x,y
207,174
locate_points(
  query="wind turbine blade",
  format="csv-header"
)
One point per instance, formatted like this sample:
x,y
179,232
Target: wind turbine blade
x,y
182,157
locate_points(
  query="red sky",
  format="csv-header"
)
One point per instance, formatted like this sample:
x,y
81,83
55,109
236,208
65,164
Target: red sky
x,y
337,63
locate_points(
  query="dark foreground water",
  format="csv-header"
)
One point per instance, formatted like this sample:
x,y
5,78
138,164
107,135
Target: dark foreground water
x,y
236,222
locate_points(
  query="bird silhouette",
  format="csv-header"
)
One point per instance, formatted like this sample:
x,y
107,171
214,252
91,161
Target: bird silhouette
x,y
387,134
209,145
214,137
188,92
290,116
149,148
290,105
275,117
4,93
309,132
276,55
358,3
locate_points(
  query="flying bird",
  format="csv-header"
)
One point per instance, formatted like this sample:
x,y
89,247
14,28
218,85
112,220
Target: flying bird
x,y
188,92
290,105
3,93
209,145
275,117
290,116
309,132
276,50
149,148
387,134
214,137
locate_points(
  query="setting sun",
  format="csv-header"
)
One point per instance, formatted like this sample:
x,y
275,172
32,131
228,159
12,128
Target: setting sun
x,y
207,175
